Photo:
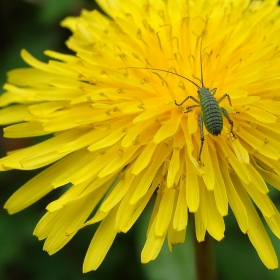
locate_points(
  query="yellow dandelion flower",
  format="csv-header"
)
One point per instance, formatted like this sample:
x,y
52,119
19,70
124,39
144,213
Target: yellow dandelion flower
x,y
117,137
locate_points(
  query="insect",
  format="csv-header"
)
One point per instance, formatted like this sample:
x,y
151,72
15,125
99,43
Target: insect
x,y
211,114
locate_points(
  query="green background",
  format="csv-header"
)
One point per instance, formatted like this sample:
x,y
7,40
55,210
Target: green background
x,y
34,25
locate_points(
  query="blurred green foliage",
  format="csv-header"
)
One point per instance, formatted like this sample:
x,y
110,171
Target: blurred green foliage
x,y
34,25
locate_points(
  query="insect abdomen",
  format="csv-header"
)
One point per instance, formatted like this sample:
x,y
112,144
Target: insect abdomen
x,y
211,113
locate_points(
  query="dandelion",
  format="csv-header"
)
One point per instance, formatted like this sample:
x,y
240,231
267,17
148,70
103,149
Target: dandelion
x,y
117,138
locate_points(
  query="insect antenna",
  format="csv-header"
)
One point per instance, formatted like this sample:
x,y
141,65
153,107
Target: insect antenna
x,y
162,70
200,58
174,73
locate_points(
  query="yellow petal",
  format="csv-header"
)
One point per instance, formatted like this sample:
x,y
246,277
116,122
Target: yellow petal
x,y
261,145
240,151
13,114
69,195
29,193
128,214
215,222
274,222
132,133
269,177
180,218
169,128
152,246
256,179
118,191
257,233
144,158
44,226
235,202
175,237
208,175
164,212
173,167
238,167
160,155
119,160
192,188
260,114
27,129
201,216
101,243
68,219
261,200
220,193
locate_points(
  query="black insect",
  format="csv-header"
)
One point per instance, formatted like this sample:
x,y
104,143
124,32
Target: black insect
x,y
211,112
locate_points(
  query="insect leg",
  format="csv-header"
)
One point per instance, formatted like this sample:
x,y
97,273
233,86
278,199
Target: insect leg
x,y
200,123
225,113
225,96
213,91
189,108
190,96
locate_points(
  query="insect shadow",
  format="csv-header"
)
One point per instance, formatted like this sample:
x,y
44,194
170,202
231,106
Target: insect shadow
x,y
211,114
